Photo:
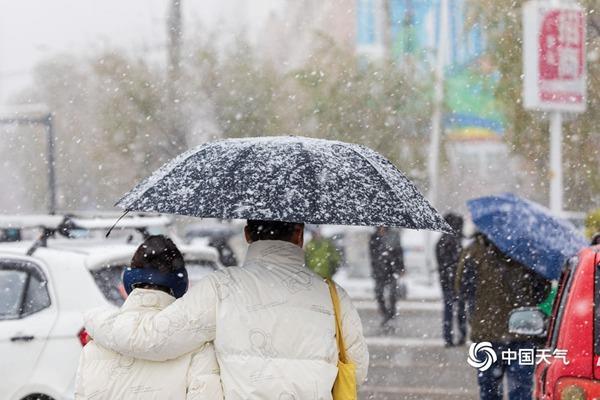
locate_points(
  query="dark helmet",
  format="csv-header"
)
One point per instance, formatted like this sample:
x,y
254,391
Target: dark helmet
x,y
455,221
595,239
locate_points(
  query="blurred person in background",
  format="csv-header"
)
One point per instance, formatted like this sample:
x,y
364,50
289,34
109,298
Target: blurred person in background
x,y
321,255
155,278
387,266
502,284
447,253
464,283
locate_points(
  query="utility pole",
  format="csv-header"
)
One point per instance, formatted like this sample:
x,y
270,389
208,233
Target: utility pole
x,y
175,33
436,125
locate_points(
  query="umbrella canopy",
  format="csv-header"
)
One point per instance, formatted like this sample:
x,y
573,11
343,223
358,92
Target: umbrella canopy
x,y
293,179
527,232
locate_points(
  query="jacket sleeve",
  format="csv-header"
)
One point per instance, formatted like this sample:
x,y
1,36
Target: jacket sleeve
x,y
204,380
180,328
79,382
356,346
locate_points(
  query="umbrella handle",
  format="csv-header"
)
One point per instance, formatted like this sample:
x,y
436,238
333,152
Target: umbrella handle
x,y
116,222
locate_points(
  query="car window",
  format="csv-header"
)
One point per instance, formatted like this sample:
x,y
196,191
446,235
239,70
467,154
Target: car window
x,y
23,289
563,293
36,295
12,287
109,281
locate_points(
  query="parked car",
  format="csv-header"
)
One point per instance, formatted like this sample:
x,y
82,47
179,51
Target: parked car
x,y
574,331
43,295
217,236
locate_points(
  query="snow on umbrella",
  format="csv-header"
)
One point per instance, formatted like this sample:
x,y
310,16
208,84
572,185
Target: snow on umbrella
x,y
293,179
527,232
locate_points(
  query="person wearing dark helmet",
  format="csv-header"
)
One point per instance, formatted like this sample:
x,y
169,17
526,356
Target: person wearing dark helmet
x,y
154,279
595,239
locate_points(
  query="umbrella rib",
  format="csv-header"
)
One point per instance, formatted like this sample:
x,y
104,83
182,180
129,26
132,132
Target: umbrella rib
x,y
389,185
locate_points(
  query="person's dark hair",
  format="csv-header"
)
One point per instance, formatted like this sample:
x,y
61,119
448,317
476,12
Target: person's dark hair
x,y
158,252
271,230
455,221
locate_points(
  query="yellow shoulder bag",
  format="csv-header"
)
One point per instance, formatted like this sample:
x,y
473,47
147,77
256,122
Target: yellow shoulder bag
x,y
344,387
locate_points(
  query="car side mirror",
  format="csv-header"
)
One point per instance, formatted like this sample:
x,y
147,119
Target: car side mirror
x,y
528,321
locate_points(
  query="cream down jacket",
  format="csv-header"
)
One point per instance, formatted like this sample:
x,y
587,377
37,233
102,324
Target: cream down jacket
x,y
271,321
106,375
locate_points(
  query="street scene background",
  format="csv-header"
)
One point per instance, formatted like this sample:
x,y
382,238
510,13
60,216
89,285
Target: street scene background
x,y
123,87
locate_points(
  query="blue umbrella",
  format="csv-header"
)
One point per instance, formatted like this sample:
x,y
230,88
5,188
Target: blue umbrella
x,y
526,232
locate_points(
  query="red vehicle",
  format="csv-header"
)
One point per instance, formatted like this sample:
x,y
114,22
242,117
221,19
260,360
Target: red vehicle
x,y
575,328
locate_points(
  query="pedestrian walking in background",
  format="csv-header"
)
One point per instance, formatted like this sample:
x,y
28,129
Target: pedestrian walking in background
x,y
447,253
387,266
322,256
502,284
154,279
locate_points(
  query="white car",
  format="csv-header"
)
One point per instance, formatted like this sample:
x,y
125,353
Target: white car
x,y
42,299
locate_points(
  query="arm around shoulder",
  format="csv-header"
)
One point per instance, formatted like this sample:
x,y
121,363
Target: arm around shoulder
x,y
180,328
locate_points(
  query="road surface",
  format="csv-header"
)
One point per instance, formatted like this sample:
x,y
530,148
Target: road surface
x,y
409,361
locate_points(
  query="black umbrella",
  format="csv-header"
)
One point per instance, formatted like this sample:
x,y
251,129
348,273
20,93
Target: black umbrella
x,y
293,179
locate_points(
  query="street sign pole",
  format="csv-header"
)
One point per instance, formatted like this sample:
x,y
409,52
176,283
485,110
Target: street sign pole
x,y
556,173
554,73
556,170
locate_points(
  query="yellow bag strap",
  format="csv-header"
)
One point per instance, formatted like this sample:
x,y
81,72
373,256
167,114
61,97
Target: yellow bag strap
x,y
338,321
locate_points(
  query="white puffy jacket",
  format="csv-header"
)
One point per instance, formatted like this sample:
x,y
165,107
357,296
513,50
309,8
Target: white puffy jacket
x,y
271,320
106,375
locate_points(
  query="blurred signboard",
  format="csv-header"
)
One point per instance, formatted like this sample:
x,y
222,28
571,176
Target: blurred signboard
x,y
554,56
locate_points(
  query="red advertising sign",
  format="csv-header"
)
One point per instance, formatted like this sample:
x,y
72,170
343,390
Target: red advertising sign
x,y
554,57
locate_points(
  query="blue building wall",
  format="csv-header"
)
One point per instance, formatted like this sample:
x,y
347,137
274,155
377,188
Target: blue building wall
x,y
415,34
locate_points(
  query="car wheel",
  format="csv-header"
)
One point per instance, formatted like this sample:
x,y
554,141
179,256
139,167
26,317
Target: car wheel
x,y
37,396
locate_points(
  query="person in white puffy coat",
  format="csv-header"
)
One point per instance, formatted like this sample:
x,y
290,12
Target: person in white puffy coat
x,y
156,276
271,320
